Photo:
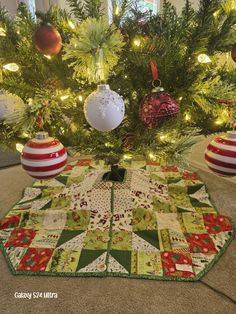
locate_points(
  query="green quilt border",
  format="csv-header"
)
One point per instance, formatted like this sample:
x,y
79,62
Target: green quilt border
x,y
105,273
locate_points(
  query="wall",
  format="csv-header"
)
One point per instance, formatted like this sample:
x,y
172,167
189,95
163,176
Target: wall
x,y
10,5
43,5
180,3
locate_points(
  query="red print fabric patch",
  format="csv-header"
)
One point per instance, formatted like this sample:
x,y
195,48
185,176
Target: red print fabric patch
x,y
35,259
177,264
9,222
21,237
200,243
217,223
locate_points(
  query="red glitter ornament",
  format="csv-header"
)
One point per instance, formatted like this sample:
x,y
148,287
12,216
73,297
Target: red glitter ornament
x,y
47,40
157,107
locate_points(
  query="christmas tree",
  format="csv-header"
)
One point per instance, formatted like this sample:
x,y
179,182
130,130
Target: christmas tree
x,y
189,52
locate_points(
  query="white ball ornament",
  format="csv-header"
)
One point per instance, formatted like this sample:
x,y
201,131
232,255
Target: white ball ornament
x,y
9,104
104,109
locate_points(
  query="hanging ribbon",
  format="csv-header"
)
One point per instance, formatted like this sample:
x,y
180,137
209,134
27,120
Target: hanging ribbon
x,y
99,73
154,70
39,119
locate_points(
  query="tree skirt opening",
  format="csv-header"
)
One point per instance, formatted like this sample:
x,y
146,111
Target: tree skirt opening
x,y
159,223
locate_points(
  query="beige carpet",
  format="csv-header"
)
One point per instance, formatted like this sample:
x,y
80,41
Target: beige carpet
x,y
117,295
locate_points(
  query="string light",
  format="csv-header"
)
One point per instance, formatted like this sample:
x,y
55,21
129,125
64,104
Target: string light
x,y
24,134
64,97
48,57
127,156
80,98
187,117
216,13
117,10
163,137
109,144
19,147
2,32
219,122
203,58
126,76
180,98
71,24
13,67
137,42
152,156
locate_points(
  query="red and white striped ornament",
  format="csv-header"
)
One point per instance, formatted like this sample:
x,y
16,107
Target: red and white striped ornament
x,y
220,154
43,157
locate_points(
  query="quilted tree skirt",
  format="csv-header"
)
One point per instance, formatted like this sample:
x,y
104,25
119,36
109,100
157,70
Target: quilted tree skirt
x,y
158,223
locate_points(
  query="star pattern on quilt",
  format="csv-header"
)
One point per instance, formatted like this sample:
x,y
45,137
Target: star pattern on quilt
x,y
158,223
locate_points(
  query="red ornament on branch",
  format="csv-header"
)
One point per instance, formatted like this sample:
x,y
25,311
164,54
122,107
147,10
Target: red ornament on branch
x,y
47,40
159,105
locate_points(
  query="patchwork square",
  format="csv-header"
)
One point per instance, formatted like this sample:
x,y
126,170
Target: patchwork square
x,y
71,239
144,219
168,221
121,240
147,263
96,240
77,220
175,264
54,219
146,240
33,220
194,222
35,259
215,223
92,261
20,237
63,261
201,243
10,222
46,238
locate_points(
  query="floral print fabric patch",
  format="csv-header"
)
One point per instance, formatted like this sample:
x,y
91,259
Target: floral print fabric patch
x,y
158,223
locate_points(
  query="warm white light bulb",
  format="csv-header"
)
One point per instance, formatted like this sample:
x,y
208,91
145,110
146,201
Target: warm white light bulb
x,y
219,122
117,11
48,57
13,67
163,137
187,117
64,97
80,98
19,147
203,58
151,156
127,156
71,24
2,32
137,42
